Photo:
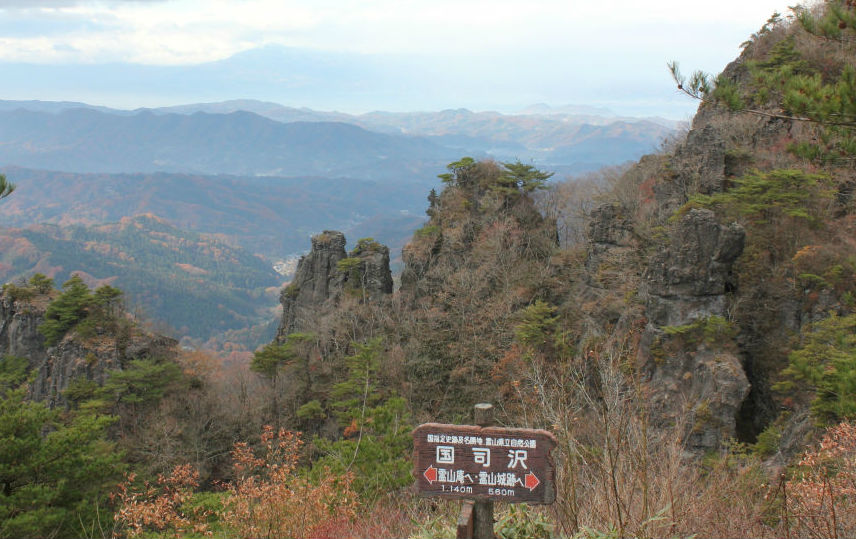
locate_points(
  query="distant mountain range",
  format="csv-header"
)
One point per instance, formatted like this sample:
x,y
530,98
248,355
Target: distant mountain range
x,y
260,138
87,140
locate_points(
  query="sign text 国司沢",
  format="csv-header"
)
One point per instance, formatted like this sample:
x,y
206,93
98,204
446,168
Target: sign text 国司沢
x,y
491,463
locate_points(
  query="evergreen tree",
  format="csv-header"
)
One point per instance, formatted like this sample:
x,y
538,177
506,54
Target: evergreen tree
x,y
826,364
66,310
377,428
461,173
785,85
519,178
42,283
55,472
6,187
272,358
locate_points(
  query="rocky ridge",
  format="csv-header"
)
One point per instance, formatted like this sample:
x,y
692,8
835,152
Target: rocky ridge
x,y
326,273
72,357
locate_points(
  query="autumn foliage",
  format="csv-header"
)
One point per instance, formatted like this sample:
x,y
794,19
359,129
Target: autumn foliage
x,y
821,497
267,498
161,505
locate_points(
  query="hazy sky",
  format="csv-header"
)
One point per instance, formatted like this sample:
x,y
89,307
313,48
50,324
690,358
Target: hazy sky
x,y
609,53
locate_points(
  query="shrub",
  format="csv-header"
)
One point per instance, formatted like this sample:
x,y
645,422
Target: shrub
x,y
267,498
522,522
66,310
366,245
310,411
768,441
710,330
821,496
18,293
427,231
42,283
291,291
162,506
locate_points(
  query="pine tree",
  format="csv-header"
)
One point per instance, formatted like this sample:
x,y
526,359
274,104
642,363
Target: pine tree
x,y
66,310
377,427
787,86
55,472
6,187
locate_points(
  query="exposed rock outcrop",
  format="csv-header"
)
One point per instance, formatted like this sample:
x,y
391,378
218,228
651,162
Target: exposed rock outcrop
x,y
699,387
697,166
93,359
19,329
327,272
688,351
371,274
314,280
611,244
688,278
73,357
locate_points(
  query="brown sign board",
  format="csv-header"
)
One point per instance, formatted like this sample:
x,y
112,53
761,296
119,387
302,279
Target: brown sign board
x,y
484,463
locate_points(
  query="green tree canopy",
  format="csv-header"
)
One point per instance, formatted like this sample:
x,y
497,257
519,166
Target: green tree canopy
x,y
66,310
826,365
6,187
460,172
518,177
788,84
376,427
55,472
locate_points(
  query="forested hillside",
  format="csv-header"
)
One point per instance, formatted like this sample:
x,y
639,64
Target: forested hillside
x,y
197,285
271,216
684,327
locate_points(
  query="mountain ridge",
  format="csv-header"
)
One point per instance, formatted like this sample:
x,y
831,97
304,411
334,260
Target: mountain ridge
x,y
264,138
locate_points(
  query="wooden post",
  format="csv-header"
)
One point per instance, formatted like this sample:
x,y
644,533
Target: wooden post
x,y
465,521
483,510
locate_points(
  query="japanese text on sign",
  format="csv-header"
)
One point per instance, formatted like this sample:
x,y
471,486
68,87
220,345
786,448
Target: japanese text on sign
x,y
511,465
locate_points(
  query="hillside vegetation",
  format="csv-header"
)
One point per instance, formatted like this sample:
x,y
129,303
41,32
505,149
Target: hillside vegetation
x,y
197,285
267,216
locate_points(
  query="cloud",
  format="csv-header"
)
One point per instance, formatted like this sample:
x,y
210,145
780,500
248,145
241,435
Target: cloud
x,y
550,45
30,4
173,32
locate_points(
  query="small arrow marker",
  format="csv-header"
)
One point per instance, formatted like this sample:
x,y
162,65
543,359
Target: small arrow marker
x,y
431,474
531,481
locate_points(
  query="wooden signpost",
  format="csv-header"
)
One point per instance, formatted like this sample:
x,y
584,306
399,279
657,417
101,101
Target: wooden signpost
x,y
484,464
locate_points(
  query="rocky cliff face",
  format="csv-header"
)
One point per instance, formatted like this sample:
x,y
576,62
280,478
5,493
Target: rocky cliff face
x,y
326,273
688,350
73,357
689,276
682,269
19,324
315,282
92,359
697,166
371,274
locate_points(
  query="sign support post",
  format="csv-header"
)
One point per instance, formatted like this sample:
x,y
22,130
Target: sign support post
x,y
483,509
465,521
